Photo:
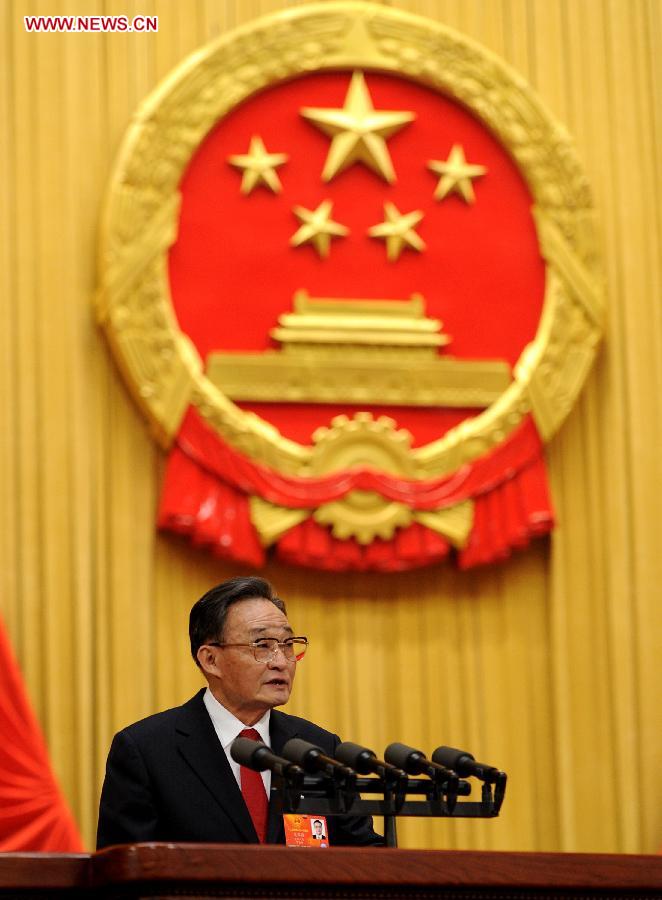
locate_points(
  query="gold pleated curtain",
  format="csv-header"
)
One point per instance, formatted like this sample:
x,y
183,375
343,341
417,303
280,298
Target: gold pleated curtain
x,y
549,665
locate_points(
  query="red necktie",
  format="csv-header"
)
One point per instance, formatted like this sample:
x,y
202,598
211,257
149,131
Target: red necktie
x,y
252,787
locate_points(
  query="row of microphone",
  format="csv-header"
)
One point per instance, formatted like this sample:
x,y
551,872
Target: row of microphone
x,y
299,757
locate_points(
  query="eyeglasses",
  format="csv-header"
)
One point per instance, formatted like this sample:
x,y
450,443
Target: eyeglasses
x,y
265,649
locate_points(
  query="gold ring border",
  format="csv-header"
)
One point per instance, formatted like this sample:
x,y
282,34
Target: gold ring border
x,y
139,223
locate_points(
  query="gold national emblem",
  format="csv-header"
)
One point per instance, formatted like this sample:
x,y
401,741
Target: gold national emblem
x,y
349,272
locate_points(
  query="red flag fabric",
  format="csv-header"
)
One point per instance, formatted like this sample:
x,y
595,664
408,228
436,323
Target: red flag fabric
x,y
33,813
208,484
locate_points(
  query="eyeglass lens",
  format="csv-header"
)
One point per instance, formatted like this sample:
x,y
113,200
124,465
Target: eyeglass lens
x,y
266,649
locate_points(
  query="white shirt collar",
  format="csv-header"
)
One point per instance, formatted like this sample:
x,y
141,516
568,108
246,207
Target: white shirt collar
x,y
228,727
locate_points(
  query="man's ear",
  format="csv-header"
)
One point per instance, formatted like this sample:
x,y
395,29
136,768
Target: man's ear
x,y
207,659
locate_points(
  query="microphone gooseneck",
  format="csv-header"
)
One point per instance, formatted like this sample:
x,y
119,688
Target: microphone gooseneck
x,y
465,764
257,756
365,761
312,758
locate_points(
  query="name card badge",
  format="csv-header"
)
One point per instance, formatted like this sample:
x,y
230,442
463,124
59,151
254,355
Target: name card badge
x,y
305,831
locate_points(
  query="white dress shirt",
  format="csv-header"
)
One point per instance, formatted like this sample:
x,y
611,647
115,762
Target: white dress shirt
x,y
228,727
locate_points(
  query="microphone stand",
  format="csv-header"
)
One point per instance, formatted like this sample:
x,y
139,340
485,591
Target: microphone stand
x,y
323,795
395,791
334,791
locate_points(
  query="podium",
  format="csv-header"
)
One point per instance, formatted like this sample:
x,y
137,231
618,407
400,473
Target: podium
x,y
239,871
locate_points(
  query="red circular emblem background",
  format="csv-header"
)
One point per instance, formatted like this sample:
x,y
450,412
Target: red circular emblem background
x,y
233,271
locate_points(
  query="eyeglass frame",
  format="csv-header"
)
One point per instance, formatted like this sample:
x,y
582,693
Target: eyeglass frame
x,y
280,645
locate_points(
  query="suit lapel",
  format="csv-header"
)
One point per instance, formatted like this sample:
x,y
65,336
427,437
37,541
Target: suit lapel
x,y
198,743
281,729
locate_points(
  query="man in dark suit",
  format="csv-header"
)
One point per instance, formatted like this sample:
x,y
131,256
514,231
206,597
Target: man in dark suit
x,y
318,830
170,777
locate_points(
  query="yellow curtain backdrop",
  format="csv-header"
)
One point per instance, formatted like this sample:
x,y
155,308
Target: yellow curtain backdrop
x,y
549,665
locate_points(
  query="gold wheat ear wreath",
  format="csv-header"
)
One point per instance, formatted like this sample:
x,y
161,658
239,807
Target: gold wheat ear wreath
x,y
348,271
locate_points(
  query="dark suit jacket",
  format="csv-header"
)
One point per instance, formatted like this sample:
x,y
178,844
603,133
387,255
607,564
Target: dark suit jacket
x,y
168,779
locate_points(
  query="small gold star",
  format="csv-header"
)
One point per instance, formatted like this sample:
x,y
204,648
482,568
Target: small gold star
x,y
259,166
317,227
398,231
456,174
358,131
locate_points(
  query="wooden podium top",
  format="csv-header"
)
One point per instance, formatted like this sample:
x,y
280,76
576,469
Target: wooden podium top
x,y
206,870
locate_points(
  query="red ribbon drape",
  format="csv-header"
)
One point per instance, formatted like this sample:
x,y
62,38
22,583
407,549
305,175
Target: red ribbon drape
x,y
208,485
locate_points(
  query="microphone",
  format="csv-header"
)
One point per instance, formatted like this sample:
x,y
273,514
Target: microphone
x,y
416,762
364,761
257,756
465,765
313,759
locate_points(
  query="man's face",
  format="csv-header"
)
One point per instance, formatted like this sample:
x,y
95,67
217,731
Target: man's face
x,y
318,827
245,687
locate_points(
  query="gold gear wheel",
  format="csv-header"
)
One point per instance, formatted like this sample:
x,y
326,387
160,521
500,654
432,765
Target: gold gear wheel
x,y
363,441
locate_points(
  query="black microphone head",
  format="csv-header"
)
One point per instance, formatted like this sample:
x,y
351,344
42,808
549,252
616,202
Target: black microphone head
x,y
453,759
355,756
247,753
465,765
406,758
302,753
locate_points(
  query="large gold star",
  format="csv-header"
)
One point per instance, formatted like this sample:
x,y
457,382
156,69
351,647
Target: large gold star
x,y
358,131
317,227
398,231
456,174
259,166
